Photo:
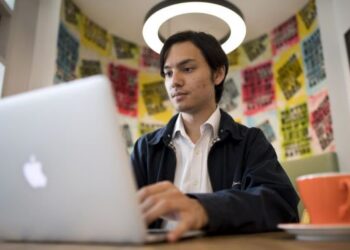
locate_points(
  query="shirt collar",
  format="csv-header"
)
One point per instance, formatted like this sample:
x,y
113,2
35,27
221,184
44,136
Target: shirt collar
x,y
179,127
212,123
227,127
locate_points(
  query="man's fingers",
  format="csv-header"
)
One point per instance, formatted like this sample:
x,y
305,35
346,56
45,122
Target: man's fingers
x,y
160,208
164,200
150,200
151,190
147,204
182,227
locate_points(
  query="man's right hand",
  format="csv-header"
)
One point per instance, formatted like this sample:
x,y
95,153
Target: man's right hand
x,y
164,199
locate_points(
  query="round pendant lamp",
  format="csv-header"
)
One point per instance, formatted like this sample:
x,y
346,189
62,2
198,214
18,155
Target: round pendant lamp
x,y
168,9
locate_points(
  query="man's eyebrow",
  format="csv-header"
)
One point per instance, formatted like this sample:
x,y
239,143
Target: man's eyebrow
x,y
181,63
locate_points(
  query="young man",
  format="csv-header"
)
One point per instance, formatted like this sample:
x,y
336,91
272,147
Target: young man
x,y
203,169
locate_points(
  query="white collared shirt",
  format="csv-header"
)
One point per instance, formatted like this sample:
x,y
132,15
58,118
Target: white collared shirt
x,y
191,175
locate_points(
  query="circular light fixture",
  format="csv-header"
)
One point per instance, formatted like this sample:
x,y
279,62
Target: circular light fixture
x,y
168,9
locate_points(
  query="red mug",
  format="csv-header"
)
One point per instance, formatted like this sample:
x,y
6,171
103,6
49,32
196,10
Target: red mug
x,y
326,197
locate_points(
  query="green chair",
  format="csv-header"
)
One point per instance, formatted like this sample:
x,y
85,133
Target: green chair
x,y
326,162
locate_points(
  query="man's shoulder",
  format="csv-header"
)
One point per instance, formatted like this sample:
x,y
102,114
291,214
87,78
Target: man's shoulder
x,y
154,136
238,130
159,134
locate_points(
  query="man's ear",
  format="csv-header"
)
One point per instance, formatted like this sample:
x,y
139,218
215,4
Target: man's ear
x,y
219,75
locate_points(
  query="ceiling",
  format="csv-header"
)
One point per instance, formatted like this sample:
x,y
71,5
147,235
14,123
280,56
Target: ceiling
x,y
125,17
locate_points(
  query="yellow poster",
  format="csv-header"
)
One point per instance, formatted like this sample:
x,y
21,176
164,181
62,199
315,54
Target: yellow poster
x,y
126,51
94,36
237,59
307,19
258,49
71,13
154,106
294,131
289,76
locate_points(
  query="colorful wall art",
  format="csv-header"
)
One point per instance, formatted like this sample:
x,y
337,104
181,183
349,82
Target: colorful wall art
x,y
276,82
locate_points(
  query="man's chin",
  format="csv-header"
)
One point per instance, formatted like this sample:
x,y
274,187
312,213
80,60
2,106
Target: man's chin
x,y
184,109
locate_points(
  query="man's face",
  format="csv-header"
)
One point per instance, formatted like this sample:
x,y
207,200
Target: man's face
x,y
189,80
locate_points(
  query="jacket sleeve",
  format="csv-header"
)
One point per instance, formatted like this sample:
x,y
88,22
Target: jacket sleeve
x,y
265,198
139,163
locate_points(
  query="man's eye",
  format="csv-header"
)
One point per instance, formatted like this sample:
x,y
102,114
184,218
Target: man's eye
x,y
188,69
168,74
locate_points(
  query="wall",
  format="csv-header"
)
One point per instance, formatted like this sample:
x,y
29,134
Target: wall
x,y
85,48
276,82
5,16
19,52
334,21
6,9
45,44
2,74
24,40
31,50
279,84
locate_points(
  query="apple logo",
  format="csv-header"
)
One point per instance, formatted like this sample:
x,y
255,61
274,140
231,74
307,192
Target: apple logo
x,y
34,174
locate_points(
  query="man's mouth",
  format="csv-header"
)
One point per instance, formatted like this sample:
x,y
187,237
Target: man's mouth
x,y
177,94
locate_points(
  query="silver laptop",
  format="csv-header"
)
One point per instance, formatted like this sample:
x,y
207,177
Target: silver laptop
x,y
65,174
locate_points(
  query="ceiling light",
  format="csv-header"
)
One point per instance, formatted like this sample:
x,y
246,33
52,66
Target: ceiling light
x,y
168,9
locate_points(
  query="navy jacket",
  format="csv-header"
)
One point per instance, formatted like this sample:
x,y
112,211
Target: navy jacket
x,y
251,191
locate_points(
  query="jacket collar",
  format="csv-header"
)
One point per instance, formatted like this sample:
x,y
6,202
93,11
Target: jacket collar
x,y
227,127
165,133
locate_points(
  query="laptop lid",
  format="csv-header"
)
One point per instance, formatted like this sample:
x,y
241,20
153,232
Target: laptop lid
x,y
65,174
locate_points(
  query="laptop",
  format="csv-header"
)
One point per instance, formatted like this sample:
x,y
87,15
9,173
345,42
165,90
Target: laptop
x,y
65,173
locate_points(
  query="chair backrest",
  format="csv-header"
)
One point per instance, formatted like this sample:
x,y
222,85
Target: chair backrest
x,y
327,162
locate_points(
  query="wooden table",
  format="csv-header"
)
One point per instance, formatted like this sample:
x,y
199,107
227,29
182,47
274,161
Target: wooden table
x,y
263,241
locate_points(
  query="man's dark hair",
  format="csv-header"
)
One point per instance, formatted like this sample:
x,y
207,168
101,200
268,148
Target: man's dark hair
x,y
210,48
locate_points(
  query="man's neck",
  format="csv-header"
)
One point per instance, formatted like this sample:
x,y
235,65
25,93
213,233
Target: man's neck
x,y
193,121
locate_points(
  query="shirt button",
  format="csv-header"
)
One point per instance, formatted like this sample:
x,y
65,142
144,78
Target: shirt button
x,y
195,183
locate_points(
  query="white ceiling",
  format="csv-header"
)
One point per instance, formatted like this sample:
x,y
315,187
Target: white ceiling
x,y
125,17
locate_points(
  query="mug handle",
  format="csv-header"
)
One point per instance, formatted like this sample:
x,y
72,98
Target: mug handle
x,y
345,208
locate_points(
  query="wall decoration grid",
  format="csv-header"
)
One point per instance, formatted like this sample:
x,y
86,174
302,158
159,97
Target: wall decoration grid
x,y
276,82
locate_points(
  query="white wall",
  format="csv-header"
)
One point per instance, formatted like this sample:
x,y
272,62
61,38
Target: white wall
x,y
20,44
2,74
32,42
11,3
45,44
334,21
4,30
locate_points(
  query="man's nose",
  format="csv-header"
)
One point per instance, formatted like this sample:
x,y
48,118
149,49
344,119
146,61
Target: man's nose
x,y
176,79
